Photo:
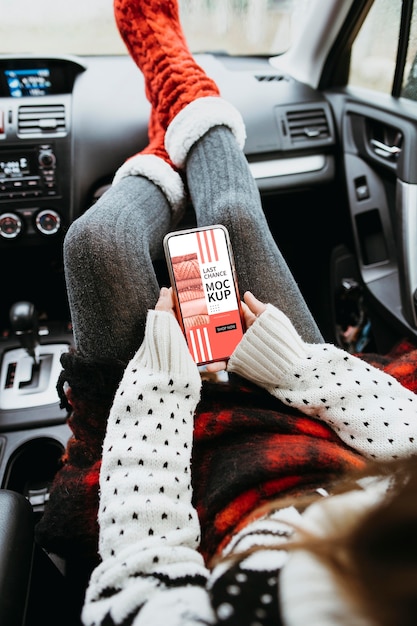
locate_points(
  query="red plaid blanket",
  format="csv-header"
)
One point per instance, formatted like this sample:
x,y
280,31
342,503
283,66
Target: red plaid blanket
x,y
248,449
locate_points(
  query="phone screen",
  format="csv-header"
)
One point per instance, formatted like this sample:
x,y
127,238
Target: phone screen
x,y
202,273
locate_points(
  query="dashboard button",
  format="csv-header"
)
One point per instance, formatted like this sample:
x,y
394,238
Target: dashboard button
x,y
10,225
48,222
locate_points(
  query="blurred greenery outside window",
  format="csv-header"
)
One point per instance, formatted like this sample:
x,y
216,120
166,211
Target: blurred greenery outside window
x,y
374,52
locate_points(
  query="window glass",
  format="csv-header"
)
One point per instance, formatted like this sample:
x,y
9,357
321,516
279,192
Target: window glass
x,y
409,89
374,51
258,27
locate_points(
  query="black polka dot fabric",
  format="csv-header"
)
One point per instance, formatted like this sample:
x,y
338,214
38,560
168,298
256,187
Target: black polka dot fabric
x,y
246,597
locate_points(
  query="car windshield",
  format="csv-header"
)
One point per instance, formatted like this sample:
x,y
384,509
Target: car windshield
x,y
86,27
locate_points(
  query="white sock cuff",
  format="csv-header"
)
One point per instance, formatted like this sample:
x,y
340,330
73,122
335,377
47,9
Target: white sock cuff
x,y
159,172
194,120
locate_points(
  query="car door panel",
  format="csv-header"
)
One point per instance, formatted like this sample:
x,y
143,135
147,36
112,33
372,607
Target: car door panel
x,y
379,148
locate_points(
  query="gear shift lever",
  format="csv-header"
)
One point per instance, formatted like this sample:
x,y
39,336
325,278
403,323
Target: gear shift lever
x,y
24,323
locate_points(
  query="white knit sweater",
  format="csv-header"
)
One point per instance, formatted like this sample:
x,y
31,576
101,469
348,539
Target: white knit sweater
x,y
371,411
149,530
151,569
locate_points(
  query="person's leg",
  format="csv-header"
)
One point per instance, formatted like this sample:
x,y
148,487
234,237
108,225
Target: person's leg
x,y
153,35
108,251
111,283
176,86
187,103
223,191
108,254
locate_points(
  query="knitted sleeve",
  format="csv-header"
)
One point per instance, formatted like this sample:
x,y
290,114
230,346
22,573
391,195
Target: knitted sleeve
x,y
151,571
370,410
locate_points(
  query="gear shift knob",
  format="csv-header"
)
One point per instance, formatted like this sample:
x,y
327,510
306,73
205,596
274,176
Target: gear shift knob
x,y
24,323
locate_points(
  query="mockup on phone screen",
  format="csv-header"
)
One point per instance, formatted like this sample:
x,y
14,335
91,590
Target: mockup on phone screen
x,y
201,268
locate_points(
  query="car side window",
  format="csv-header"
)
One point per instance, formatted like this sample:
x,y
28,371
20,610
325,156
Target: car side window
x,y
409,85
384,53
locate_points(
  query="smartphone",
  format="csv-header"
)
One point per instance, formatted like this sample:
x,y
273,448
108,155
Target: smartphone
x,y
203,277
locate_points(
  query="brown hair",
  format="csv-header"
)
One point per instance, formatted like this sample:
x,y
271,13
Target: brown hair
x,y
375,560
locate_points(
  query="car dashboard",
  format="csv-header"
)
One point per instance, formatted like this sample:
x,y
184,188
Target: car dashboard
x,y
69,124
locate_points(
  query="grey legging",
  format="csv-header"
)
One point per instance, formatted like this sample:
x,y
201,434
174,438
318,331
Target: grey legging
x,y
109,250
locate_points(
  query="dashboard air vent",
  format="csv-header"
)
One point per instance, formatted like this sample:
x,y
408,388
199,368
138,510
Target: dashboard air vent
x,y
308,124
269,78
42,119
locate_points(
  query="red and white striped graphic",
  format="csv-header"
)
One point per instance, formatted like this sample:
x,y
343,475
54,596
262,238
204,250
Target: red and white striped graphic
x,y
207,247
200,344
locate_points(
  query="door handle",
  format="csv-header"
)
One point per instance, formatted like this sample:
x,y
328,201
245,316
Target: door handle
x,y
385,151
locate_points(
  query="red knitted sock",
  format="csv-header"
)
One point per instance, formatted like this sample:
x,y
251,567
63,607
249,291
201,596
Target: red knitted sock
x,y
156,144
186,101
153,35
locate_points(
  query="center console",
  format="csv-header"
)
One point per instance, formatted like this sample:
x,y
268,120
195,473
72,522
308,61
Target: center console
x,y
35,147
35,208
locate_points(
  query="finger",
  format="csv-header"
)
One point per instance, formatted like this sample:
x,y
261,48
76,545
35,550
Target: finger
x,y
218,366
165,300
248,316
256,306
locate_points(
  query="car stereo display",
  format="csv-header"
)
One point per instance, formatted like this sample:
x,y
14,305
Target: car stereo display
x,y
28,82
17,165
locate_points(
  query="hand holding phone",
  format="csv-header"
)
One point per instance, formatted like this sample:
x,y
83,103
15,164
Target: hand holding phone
x,y
203,277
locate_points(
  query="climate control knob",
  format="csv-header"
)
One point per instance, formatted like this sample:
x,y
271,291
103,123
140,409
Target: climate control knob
x,y
48,222
46,158
10,225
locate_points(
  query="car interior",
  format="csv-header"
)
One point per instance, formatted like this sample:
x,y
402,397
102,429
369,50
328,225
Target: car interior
x,y
334,157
